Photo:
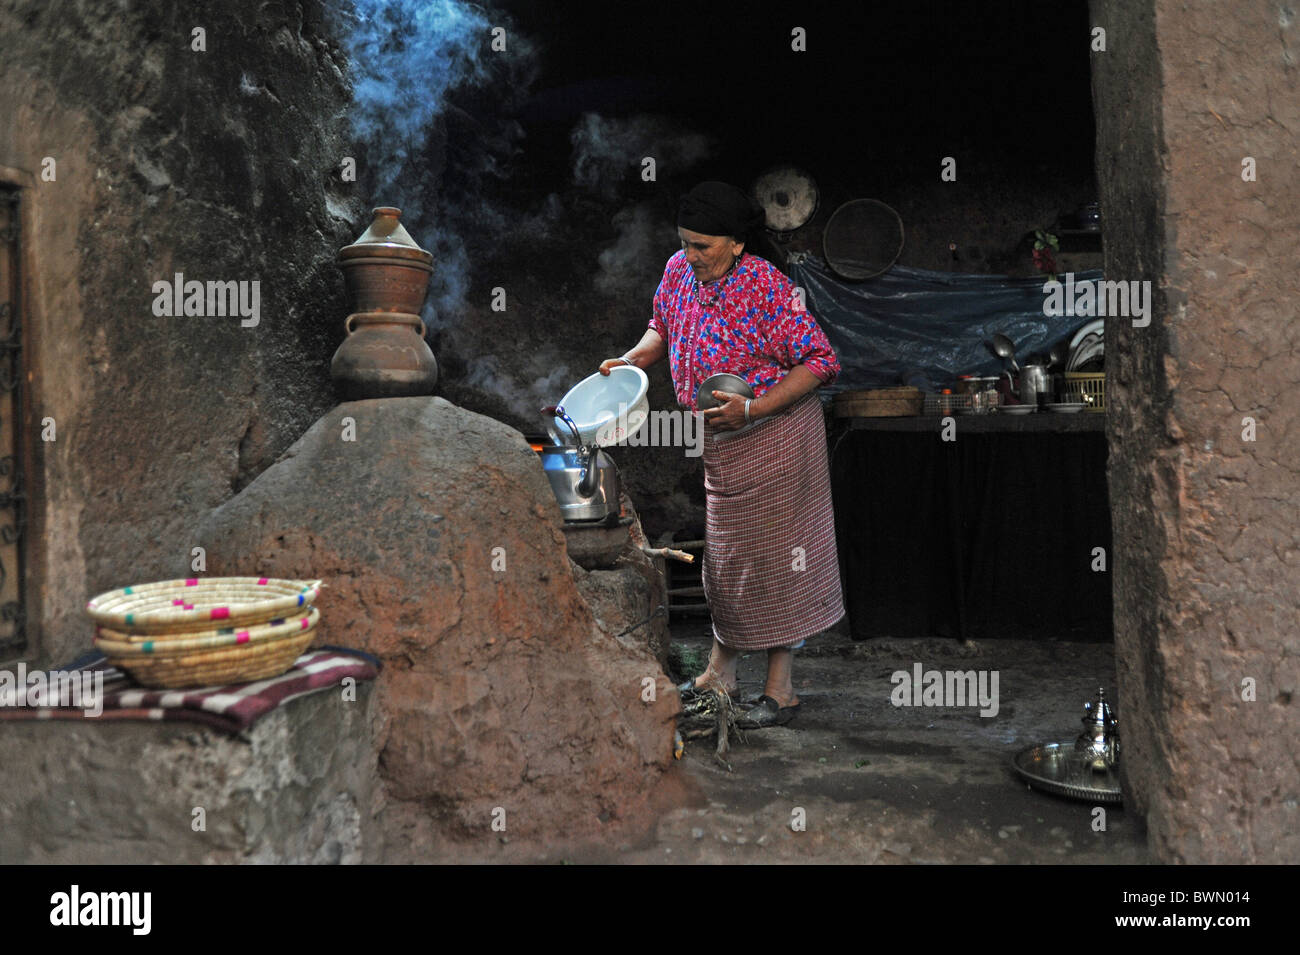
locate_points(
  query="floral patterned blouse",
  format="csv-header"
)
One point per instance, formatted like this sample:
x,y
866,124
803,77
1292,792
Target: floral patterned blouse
x,y
747,323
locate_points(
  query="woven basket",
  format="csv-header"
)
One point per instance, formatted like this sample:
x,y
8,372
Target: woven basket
x,y
125,645
217,666
878,403
1086,388
192,606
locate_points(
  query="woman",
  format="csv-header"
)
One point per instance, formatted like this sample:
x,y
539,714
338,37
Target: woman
x,y
771,574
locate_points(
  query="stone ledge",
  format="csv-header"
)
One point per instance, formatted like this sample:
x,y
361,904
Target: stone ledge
x,y
301,787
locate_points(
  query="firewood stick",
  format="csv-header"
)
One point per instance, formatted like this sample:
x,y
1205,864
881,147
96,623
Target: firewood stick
x,y
669,552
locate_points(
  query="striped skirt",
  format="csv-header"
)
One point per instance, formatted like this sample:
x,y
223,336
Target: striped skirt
x,y
771,572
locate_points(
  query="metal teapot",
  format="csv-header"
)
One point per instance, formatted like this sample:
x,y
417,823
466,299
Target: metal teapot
x,y
1098,744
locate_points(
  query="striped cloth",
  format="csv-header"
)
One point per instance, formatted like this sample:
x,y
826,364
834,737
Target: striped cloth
x,y
231,709
771,571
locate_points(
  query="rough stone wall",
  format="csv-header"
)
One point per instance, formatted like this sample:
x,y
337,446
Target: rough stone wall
x,y
622,597
301,788
1206,515
217,164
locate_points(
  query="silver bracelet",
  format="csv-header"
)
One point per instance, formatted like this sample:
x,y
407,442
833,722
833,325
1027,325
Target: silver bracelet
x,y
627,361
747,401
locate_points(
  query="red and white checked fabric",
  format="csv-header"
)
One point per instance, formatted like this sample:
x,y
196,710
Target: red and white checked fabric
x,y
771,571
232,708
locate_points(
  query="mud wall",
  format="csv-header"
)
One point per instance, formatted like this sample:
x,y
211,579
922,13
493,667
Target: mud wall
x,y
1196,158
144,149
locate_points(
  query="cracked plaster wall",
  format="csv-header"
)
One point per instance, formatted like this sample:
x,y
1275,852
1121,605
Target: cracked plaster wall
x,y
1202,421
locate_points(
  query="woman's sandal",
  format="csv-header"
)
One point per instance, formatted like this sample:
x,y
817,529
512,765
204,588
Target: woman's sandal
x,y
766,712
689,691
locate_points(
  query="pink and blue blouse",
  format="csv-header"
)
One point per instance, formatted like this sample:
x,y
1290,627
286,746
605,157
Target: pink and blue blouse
x,y
748,323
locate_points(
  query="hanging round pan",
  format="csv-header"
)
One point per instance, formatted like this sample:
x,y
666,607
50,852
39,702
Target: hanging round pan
x,y
863,239
789,198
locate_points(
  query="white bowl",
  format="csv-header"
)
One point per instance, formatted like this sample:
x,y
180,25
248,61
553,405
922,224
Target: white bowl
x,y
607,409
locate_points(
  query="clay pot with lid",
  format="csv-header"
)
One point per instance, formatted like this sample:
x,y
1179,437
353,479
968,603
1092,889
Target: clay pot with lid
x,y
385,270
387,277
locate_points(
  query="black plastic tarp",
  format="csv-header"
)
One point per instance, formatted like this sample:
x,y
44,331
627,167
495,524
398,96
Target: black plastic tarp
x,y
914,326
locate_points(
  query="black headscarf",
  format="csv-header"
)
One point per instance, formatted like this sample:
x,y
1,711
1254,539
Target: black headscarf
x,y
718,208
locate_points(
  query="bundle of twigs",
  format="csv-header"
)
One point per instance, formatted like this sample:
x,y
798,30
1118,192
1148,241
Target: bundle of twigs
x,y
712,712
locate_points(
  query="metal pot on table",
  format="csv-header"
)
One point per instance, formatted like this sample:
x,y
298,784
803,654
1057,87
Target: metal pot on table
x,y
1035,385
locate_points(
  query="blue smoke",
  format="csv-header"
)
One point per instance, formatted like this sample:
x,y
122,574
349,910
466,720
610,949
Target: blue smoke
x,y
407,60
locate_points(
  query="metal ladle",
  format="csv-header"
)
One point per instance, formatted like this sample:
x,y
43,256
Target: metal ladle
x,y
1005,349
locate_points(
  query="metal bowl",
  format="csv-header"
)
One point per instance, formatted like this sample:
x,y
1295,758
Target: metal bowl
x,y
732,384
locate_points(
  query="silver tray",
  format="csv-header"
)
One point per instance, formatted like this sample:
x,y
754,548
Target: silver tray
x,y
1054,768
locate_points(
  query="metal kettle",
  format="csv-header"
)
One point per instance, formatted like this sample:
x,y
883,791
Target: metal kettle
x,y
583,477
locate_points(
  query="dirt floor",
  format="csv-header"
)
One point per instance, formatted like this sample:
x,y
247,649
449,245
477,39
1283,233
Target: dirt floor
x,y
878,783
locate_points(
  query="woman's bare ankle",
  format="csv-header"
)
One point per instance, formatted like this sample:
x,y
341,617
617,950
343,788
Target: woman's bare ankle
x,y
711,678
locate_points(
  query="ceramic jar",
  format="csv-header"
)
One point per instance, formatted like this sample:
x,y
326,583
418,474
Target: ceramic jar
x,y
387,277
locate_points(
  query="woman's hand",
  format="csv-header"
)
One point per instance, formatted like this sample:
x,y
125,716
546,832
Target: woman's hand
x,y
730,416
650,349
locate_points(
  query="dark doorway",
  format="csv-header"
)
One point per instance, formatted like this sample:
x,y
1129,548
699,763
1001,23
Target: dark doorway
x,y
13,436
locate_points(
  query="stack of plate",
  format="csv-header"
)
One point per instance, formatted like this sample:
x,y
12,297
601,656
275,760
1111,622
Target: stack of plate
x,y
206,631
1088,345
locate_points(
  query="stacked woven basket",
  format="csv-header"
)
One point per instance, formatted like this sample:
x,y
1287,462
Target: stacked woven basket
x,y
206,631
